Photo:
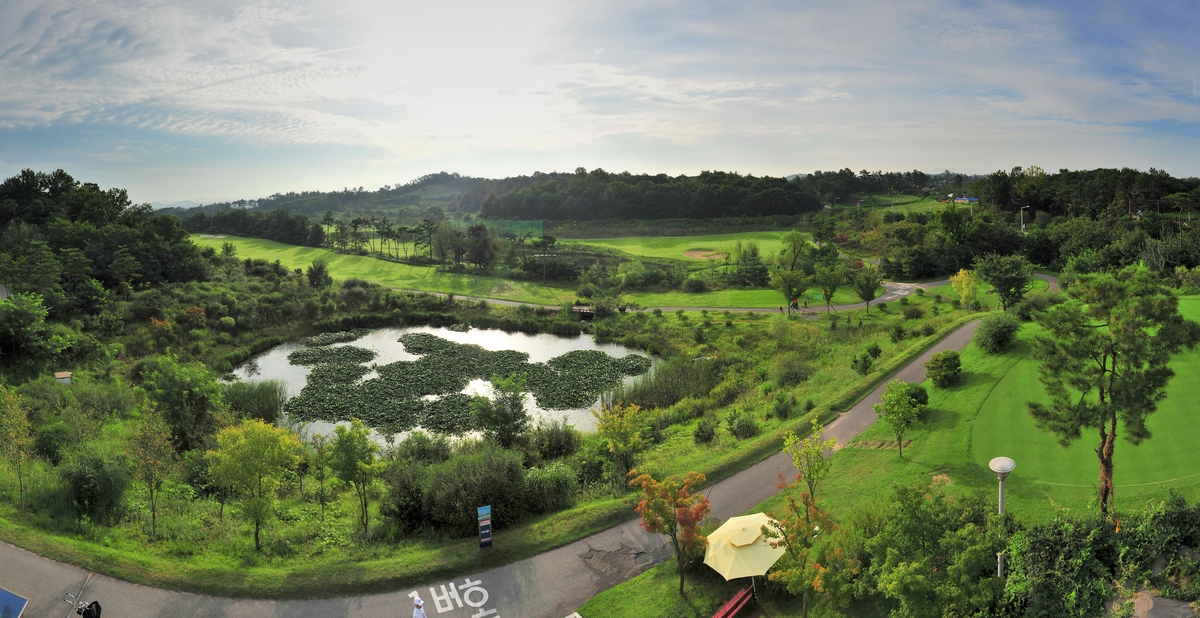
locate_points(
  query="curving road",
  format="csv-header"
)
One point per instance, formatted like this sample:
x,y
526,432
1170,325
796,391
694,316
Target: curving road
x,y
550,585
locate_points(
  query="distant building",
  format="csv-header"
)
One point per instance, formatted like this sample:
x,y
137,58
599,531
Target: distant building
x,y
63,376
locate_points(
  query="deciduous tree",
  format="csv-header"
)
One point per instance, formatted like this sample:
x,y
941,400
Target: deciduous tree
x,y
154,460
966,285
866,284
671,508
1104,360
188,395
251,458
791,284
353,460
898,410
503,418
808,455
1009,276
16,438
621,432
830,278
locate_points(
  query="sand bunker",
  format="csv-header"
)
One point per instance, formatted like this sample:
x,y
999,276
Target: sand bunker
x,y
703,254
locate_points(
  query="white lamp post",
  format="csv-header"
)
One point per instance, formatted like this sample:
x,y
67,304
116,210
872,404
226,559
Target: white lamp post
x,y
1002,466
1022,229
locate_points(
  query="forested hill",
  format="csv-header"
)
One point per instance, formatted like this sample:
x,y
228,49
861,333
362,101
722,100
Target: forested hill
x,y
444,192
73,243
601,195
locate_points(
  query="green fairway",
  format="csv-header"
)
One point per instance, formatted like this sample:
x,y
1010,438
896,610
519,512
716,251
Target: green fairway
x,y
739,298
429,279
902,203
1004,427
403,276
985,416
677,246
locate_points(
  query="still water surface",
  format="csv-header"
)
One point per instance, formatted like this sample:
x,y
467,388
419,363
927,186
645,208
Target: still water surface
x,y
273,364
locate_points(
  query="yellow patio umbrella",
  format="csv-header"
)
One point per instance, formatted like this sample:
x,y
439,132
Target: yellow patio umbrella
x,y
738,548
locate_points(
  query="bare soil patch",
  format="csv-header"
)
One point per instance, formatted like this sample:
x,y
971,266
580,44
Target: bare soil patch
x,y
703,254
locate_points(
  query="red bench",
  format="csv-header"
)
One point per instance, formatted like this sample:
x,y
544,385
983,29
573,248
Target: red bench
x,y
735,605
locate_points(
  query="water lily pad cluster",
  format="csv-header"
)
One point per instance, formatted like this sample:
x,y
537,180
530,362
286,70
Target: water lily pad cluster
x,y
426,392
331,338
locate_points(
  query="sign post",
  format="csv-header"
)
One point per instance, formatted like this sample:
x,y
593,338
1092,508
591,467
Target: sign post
x,y
485,526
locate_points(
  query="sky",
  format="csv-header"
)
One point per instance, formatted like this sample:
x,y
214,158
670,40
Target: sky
x,y
222,99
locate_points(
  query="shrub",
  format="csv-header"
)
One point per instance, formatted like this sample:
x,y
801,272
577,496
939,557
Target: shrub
x,y
809,405
874,350
944,368
903,301
927,330
586,290
788,369
862,363
593,462
918,393
1033,303
555,439
882,307
424,448
695,285
228,324
549,488
488,475
728,391
920,291
783,405
53,440
742,424
913,313
996,332
896,333
98,483
405,498
706,430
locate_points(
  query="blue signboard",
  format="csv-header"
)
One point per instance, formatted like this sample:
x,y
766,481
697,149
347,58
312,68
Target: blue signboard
x,y
11,605
485,526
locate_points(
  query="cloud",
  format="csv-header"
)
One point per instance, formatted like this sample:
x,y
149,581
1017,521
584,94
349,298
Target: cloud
x,y
671,86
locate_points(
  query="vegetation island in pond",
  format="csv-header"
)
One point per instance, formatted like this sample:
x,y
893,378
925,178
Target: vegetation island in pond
x,y
427,392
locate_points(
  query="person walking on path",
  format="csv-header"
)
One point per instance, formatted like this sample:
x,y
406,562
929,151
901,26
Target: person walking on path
x,y
419,609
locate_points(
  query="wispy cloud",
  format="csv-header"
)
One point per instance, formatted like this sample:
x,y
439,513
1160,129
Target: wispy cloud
x,y
369,91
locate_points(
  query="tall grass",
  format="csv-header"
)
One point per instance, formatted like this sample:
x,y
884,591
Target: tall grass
x,y
261,400
671,381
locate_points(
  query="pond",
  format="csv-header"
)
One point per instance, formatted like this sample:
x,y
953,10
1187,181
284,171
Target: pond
x,y
397,362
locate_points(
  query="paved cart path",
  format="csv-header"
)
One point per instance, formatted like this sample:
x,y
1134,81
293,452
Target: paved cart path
x,y
549,585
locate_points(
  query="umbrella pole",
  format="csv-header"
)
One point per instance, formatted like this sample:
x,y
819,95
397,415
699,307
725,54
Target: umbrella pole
x,y
753,588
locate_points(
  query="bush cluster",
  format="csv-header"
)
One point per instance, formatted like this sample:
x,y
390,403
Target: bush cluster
x,y
996,332
742,424
944,368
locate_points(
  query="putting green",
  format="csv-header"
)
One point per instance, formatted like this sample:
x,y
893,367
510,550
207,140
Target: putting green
x,y
1168,459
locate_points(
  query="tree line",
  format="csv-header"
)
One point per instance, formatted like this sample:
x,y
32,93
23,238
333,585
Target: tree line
x,y
598,194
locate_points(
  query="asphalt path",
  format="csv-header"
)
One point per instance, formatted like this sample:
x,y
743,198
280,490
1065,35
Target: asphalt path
x,y
1050,280
550,585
